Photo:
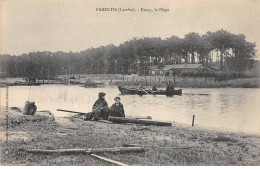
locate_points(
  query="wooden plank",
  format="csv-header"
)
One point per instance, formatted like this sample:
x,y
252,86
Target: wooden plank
x,y
90,150
69,111
137,121
109,160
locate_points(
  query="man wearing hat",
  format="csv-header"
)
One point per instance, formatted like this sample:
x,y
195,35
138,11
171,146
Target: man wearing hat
x,y
100,108
117,109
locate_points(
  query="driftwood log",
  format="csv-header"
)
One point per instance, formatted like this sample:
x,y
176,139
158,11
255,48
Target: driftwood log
x,y
140,117
136,117
137,121
82,113
90,150
105,121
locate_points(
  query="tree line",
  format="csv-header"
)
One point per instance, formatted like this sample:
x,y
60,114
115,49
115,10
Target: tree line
x,y
137,55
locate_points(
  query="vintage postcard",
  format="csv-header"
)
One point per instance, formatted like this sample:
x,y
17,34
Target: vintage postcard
x,y
129,82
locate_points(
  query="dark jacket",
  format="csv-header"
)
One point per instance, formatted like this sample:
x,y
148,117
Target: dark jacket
x,y
99,104
117,111
170,88
100,109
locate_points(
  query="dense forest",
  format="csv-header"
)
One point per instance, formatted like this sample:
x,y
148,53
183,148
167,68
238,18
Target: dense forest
x,y
136,55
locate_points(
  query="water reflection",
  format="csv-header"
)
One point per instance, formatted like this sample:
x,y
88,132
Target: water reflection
x,y
229,109
224,100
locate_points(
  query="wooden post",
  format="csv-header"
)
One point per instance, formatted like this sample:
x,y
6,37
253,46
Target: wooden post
x,y
193,118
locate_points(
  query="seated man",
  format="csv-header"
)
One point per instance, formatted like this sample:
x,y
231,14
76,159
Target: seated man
x,y
140,87
117,109
154,88
30,108
100,108
33,108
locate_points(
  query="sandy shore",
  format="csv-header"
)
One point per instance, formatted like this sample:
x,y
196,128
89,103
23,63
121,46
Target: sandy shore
x,y
174,145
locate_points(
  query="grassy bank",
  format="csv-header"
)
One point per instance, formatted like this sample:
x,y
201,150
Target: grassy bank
x,y
175,145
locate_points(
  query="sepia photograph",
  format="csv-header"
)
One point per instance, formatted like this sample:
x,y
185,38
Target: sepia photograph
x,y
129,83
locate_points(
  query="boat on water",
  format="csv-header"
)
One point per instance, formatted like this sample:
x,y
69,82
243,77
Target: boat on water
x,y
74,82
92,84
27,84
19,84
135,91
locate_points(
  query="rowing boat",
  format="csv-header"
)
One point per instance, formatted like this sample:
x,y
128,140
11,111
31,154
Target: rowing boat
x,y
135,91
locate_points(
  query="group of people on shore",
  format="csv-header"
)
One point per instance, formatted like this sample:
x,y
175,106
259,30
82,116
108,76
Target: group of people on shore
x,y
100,109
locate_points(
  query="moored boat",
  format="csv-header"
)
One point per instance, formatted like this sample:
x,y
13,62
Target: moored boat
x,y
134,91
25,84
92,84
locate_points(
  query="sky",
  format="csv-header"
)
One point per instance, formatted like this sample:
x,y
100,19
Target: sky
x,y
75,25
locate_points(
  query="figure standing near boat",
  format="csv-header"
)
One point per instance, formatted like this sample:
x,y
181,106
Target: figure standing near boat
x,y
170,88
117,109
100,108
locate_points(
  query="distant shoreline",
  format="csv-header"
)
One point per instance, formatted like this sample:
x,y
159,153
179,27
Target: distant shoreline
x,y
125,80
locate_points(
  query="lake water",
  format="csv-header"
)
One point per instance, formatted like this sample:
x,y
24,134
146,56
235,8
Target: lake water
x,y
225,109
